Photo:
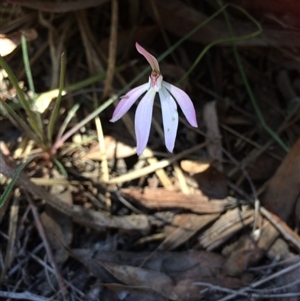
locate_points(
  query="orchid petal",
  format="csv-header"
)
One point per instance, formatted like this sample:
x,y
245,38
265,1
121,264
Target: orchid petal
x,y
170,117
184,101
143,117
127,101
149,57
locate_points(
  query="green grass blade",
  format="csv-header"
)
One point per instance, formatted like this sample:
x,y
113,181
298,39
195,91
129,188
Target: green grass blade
x,y
231,39
10,186
69,117
180,41
32,117
55,112
17,120
60,167
27,64
249,89
30,79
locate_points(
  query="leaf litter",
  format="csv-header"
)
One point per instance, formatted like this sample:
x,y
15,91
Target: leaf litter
x,y
217,220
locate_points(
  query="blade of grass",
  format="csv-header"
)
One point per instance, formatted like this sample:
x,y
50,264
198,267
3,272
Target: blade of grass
x,y
60,167
248,87
31,116
74,87
10,186
16,119
180,41
29,78
55,112
231,39
69,117
27,64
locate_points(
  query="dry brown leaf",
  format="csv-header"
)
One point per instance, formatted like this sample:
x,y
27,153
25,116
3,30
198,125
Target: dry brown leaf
x,y
289,235
114,150
90,218
193,263
161,198
183,227
139,269
9,42
129,293
58,226
284,187
225,227
212,183
123,266
193,167
249,252
136,276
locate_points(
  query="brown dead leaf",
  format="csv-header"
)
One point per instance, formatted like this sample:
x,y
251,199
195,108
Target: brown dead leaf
x,y
183,227
249,252
212,183
172,274
289,235
284,187
193,167
121,292
158,198
136,276
225,227
9,42
114,150
58,226
98,220
124,266
199,264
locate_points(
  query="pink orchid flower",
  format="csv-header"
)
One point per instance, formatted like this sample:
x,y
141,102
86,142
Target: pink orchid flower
x,y
143,115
